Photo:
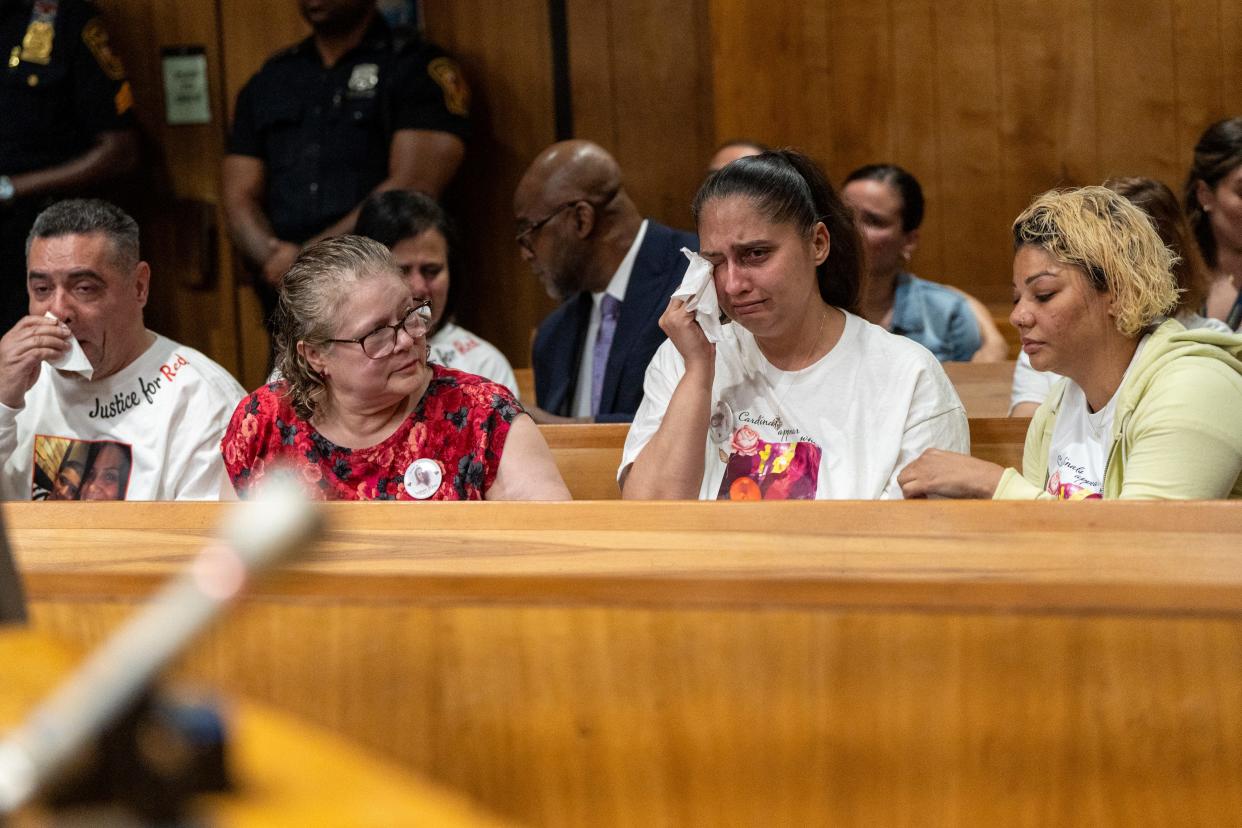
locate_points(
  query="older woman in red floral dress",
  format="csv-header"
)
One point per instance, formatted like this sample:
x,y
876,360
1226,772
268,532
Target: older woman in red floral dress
x,y
361,415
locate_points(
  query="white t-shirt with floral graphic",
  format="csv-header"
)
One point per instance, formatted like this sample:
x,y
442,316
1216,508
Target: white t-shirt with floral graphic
x,y
842,428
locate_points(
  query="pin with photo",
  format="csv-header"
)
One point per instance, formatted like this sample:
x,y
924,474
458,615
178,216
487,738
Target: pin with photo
x,y
422,478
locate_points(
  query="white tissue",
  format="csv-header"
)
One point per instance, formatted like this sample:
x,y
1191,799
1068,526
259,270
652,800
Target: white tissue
x,y
73,360
698,290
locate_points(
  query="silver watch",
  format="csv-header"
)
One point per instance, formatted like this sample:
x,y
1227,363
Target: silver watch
x,y
7,190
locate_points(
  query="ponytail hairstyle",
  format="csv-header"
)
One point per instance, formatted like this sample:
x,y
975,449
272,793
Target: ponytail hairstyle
x,y
786,187
1218,153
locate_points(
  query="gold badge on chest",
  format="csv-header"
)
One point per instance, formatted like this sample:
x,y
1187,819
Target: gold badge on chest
x,y
40,34
37,43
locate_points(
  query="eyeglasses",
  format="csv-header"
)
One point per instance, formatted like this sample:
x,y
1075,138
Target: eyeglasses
x,y
523,237
382,341
527,231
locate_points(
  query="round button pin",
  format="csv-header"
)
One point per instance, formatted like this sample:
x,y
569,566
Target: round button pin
x,y
422,478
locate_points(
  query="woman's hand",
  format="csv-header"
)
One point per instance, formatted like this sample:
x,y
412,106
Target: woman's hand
x,y
688,338
937,473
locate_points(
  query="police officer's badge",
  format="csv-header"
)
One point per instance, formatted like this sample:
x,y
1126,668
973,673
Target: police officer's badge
x,y
37,42
364,79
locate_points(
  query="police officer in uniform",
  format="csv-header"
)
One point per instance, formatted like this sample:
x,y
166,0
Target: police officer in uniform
x,y
355,108
66,122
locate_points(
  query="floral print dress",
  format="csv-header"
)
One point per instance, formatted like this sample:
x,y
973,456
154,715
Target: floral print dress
x,y
454,436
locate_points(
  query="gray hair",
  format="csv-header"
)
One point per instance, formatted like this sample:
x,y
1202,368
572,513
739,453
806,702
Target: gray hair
x,y
310,298
81,216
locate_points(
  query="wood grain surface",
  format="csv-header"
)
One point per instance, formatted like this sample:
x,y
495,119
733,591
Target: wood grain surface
x,y
284,772
926,663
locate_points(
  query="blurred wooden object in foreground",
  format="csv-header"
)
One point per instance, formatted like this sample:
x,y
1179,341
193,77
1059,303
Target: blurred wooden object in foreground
x,y
930,663
287,772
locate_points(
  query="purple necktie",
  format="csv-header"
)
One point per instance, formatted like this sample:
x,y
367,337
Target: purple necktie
x,y
609,310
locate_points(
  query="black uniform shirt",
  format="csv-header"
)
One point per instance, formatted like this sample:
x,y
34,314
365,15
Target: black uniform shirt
x,y
57,93
324,133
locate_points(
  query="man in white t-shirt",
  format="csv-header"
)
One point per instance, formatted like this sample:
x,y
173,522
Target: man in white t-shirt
x,y
93,406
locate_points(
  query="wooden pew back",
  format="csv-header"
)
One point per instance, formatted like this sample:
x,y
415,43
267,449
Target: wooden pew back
x,y
588,455
707,664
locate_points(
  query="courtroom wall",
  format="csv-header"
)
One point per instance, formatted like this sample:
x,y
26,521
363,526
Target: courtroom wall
x,y
987,103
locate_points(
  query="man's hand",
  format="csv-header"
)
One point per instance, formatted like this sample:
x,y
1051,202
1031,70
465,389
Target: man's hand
x,y
23,350
278,262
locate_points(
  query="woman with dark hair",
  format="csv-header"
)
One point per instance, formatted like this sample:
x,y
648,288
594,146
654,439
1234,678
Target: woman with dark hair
x,y
360,414
1214,206
888,203
423,242
799,398
1031,387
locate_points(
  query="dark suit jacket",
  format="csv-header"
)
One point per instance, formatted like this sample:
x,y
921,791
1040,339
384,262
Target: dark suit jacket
x,y
560,341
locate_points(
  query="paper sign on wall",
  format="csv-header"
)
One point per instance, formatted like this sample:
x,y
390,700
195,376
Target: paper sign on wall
x,y
186,98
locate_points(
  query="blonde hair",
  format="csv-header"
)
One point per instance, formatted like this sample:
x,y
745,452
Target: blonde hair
x,y
1113,241
310,298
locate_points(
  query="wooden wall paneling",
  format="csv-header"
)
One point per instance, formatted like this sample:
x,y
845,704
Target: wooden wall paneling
x,y
1048,101
251,33
861,115
969,173
592,72
1137,89
641,87
506,55
915,96
770,74
177,202
1231,58
1200,74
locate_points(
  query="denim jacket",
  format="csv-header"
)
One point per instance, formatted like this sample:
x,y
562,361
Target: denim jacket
x,y
937,317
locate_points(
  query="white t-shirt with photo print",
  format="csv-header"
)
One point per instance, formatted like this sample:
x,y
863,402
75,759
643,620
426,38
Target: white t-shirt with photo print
x,y
842,428
1081,441
165,413
455,347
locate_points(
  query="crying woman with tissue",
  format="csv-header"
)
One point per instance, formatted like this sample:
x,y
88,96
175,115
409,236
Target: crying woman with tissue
x,y
769,386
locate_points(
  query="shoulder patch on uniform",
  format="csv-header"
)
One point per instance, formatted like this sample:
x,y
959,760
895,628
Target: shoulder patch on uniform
x,y
447,74
95,36
124,98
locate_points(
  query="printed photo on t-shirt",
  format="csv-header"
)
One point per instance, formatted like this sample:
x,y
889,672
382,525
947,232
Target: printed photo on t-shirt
x,y
1065,490
759,470
68,469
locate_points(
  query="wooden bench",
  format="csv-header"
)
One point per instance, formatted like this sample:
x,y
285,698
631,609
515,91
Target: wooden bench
x,y
707,664
984,388
588,455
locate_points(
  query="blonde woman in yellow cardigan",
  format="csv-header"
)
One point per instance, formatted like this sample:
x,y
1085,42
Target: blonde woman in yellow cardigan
x,y
1147,408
